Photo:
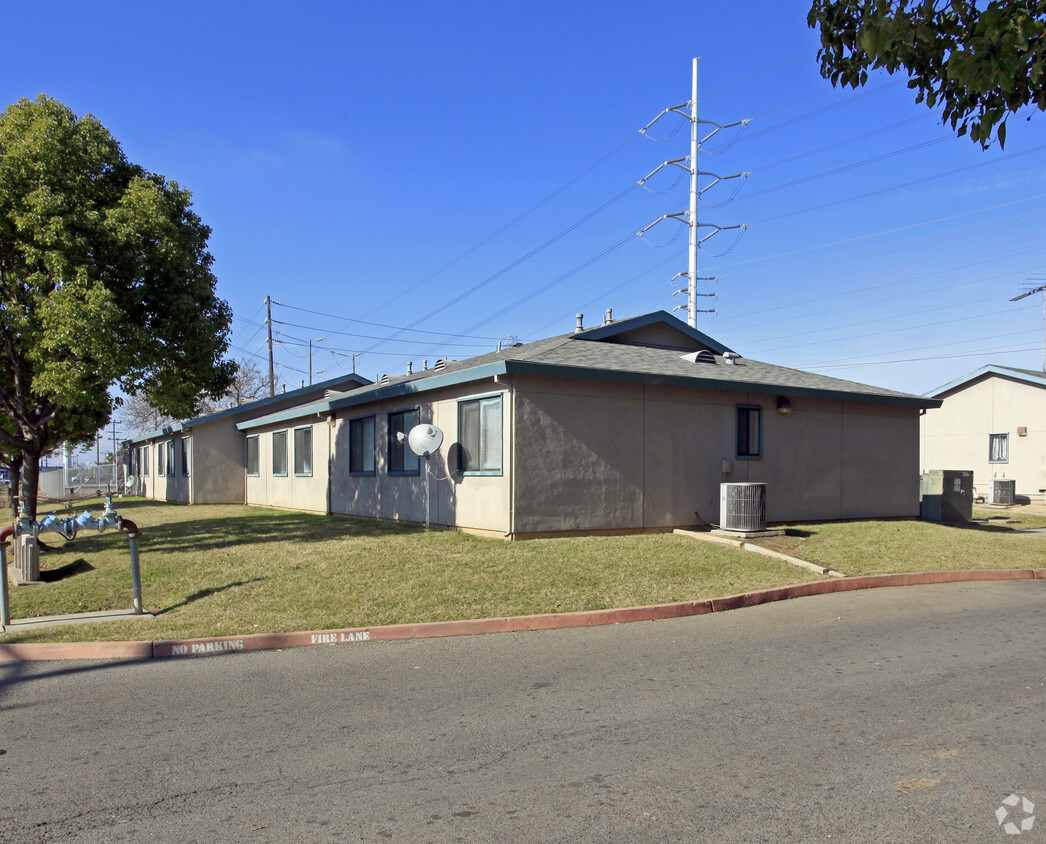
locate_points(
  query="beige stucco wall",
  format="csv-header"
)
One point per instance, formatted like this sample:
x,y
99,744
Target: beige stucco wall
x,y
594,455
466,501
582,455
155,484
217,471
291,491
955,436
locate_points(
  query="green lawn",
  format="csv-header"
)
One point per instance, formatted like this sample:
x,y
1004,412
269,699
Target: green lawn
x,y
229,570
859,548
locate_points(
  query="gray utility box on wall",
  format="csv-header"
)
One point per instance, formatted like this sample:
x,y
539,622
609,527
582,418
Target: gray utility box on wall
x,y
946,495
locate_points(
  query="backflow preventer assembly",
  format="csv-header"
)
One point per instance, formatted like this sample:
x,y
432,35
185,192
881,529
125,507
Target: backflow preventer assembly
x,y
26,535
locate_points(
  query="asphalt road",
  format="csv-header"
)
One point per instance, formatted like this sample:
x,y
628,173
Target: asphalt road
x,y
887,715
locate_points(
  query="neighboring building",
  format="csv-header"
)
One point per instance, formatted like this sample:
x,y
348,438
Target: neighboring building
x,y
993,422
630,426
200,461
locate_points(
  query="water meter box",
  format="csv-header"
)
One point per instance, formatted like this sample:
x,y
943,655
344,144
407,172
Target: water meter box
x,y
946,495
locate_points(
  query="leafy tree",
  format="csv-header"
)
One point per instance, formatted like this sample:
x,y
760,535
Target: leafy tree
x,y
980,64
105,280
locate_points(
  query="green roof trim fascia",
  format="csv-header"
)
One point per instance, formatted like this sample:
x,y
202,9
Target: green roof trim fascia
x,y
245,408
551,370
992,369
612,329
390,391
561,371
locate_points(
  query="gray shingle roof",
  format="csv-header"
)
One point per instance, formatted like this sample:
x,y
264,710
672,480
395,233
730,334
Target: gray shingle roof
x,y
578,356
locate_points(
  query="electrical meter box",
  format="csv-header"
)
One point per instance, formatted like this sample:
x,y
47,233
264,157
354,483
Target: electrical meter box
x,y
946,495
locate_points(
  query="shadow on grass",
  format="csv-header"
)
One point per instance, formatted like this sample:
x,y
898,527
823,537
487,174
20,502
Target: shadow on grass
x,y
800,533
211,534
206,593
68,570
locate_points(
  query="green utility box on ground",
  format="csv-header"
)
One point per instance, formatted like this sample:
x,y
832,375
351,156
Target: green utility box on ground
x,y
946,495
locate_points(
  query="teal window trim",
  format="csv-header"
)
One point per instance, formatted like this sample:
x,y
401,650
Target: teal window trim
x,y
477,446
399,452
256,462
360,451
748,445
303,466
999,448
281,470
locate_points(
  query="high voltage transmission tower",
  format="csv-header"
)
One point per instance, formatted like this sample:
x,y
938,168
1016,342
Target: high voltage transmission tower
x,y
689,164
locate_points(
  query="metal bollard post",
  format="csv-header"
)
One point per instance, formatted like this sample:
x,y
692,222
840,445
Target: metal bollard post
x,y
5,606
136,574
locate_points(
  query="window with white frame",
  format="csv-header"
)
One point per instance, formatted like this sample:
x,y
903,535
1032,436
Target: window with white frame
x,y
479,436
161,459
402,461
361,446
749,432
253,463
186,447
145,459
998,448
279,453
303,451
170,459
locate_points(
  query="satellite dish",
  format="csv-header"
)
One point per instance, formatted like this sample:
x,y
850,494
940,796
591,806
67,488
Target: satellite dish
x,y
424,439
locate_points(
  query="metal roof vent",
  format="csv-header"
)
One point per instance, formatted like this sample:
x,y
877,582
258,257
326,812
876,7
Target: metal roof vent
x,y
730,357
703,356
440,364
385,378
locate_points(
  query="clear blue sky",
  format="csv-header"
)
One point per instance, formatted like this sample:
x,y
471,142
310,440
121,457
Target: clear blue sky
x,y
447,175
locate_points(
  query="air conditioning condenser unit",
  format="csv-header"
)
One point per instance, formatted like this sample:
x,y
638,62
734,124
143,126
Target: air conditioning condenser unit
x,y
742,507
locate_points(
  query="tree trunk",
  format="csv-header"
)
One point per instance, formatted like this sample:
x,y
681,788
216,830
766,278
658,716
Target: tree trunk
x,y
15,466
30,485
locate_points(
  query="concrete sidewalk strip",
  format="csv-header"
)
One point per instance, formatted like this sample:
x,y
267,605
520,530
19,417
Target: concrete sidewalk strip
x,y
744,545
470,627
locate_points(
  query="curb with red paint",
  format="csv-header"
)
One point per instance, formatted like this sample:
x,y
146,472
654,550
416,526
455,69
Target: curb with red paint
x,y
514,624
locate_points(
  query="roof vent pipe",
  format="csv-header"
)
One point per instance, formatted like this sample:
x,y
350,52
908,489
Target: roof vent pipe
x,y
609,317
580,324
730,357
410,367
425,364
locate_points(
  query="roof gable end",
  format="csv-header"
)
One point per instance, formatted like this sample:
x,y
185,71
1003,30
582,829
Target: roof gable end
x,y
1025,376
659,330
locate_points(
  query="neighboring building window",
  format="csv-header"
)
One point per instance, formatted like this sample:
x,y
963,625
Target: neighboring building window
x,y
303,451
145,460
253,463
361,446
185,457
479,434
998,448
749,431
402,460
279,453
170,459
161,449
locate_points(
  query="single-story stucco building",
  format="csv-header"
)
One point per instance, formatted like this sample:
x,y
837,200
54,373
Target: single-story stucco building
x,y
200,461
992,422
629,426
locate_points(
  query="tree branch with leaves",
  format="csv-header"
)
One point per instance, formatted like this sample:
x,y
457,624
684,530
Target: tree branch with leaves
x,y
980,65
